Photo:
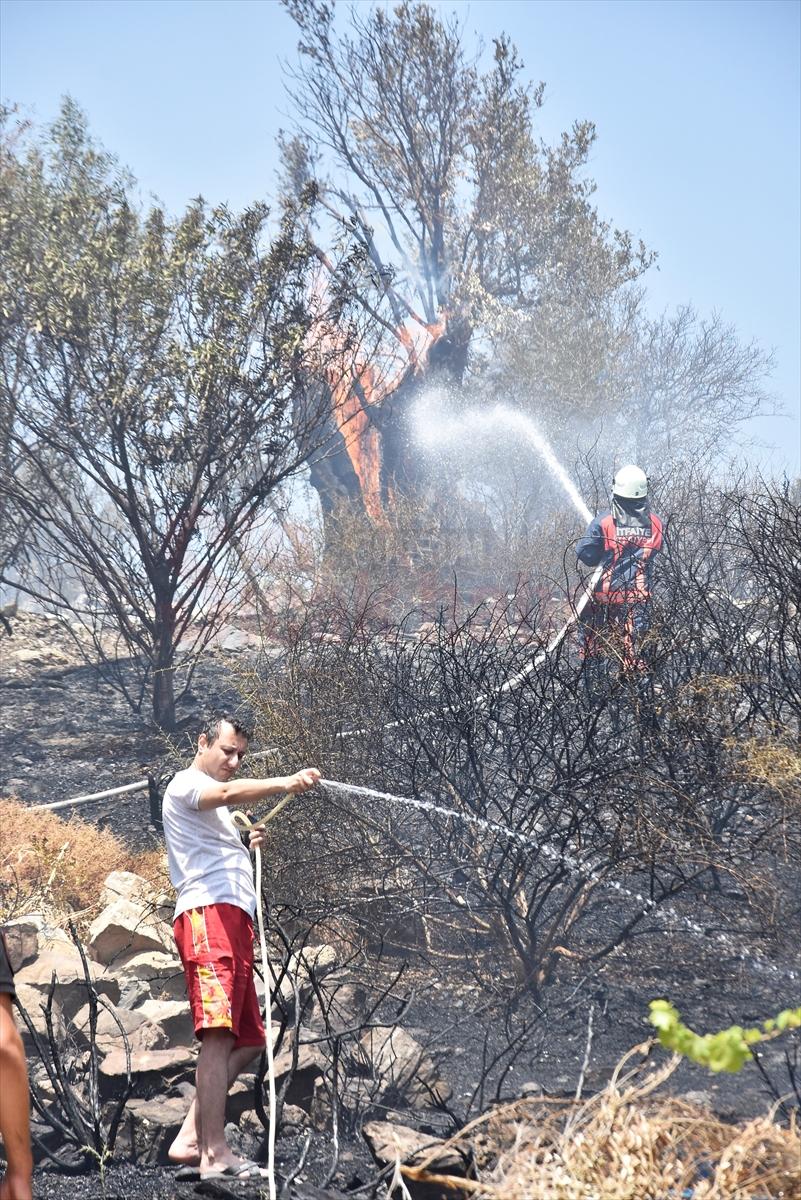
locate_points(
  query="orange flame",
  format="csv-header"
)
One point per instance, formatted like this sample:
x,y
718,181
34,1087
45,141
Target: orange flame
x,y
370,384
351,398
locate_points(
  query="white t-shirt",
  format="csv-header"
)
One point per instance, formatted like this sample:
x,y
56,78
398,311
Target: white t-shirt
x,y
208,863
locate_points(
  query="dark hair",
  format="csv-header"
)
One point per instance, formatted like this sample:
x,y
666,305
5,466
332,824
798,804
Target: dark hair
x,y
213,722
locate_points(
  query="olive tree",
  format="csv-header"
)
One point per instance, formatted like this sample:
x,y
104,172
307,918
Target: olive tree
x,y
152,388
493,272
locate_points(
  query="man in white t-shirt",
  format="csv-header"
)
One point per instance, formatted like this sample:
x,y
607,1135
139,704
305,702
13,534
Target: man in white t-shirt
x,y
211,872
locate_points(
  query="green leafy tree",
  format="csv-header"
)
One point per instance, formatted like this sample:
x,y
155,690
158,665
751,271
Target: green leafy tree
x,y
152,371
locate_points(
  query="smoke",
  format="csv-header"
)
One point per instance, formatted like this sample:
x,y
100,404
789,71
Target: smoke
x,y
438,428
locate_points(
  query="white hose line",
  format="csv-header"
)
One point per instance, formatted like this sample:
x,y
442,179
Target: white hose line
x,y
118,791
244,821
481,700
268,1034
513,681
581,604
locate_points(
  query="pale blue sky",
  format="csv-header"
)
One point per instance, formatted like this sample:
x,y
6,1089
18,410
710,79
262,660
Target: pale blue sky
x,y
697,104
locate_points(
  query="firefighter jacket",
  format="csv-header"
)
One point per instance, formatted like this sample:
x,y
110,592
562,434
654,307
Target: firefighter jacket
x,y
625,542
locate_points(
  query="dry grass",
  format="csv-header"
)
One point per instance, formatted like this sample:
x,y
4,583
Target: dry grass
x,y
772,763
57,867
627,1144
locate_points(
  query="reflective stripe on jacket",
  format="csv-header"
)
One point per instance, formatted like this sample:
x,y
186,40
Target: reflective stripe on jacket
x,y
627,554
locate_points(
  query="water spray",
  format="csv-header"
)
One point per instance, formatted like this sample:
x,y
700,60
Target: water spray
x,y
584,870
435,431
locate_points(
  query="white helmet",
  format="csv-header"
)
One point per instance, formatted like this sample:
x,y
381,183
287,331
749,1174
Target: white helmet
x,y
630,482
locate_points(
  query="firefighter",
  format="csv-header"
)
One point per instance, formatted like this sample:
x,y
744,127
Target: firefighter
x,y
624,540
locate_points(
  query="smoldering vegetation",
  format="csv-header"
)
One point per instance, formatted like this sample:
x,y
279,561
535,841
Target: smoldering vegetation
x,y
677,783
515,850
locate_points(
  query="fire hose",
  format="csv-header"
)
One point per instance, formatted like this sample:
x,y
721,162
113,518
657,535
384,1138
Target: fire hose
x,y
244,822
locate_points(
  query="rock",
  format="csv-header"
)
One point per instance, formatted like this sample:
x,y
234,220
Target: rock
x,y
159,976
133,993
310,1069
699,1099
174,1017
250,1125
31,999
149,1127
39,657
346,1007
403,1069
244,1140
317,961
152,1070
142,1033
53,937
164,907
126,927
125,885
294,1117
71,985
240,1097
232,640
312,962
390,1141
22,939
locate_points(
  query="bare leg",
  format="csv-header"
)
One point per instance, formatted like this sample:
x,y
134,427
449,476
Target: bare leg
x,y
186,1147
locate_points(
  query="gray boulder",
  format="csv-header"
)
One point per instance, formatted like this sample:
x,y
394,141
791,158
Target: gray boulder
x,y
65,963
150,975
390,1141
153,1071
141,1031
402,1069
149,1128
174,1017
127,927
22,939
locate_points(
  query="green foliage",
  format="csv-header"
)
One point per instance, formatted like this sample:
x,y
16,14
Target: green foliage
x,y
154,367
726,1050
484,237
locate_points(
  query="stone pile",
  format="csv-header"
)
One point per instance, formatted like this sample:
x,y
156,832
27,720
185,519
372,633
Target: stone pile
x,y
136,974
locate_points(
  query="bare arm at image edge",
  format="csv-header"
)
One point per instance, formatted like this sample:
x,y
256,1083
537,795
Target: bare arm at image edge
x,y
14,1108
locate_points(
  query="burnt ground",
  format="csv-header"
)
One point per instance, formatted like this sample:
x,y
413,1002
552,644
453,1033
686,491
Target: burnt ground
x,y
64,733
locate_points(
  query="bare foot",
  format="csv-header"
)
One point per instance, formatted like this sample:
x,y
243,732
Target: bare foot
x,y
184,1154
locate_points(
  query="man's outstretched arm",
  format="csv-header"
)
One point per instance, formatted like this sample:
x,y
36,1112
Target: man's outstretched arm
x,y
590,548
251,791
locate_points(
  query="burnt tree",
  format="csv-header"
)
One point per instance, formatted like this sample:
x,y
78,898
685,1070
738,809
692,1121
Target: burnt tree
x,y
487,267
467,224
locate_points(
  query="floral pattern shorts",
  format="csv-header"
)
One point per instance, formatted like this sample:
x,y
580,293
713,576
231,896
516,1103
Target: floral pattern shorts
x,y
215,943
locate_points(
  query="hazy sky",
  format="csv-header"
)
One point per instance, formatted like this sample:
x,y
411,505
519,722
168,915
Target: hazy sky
x,y
697,104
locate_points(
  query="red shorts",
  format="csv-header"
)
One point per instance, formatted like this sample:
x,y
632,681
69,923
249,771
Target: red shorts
x,y
215,943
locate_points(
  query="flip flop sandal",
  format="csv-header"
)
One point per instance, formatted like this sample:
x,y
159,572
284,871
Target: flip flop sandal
x,y
242,1171
187,1174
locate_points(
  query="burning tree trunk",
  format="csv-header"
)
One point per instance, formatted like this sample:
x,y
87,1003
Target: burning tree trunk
x,y
369,456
